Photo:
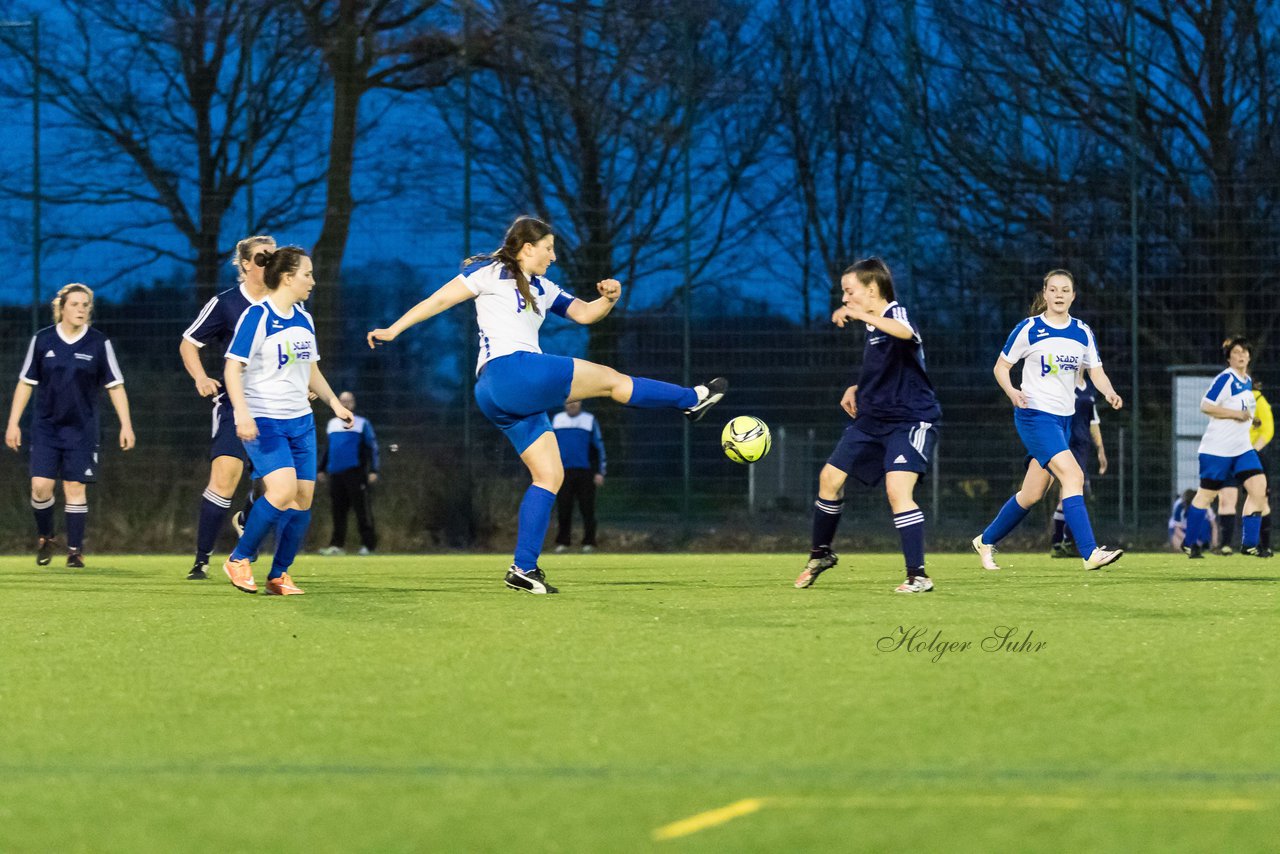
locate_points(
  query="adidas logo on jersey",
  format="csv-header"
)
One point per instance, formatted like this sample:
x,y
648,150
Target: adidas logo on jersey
x,y
88,472
900,459
49,355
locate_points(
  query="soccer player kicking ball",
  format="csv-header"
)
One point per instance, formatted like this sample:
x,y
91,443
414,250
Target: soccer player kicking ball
x,y
1053,347
518,382
893,434
271,365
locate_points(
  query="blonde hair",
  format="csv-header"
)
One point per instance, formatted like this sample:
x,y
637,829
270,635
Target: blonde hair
x,y
66,291
245,251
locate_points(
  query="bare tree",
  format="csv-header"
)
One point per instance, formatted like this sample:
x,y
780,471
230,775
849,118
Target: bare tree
x,y
588,121
175,107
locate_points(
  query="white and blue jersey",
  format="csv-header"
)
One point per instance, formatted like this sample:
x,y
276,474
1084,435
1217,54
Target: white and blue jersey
x,y
278,352
581,445
507,323
350,446
1226,437
1052,358
68,371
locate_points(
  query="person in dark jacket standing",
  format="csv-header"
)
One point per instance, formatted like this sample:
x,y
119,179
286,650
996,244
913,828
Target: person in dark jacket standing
x,y
582,452
350,464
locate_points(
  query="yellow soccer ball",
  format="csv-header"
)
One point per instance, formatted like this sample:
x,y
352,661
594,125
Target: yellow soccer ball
x,y
746,439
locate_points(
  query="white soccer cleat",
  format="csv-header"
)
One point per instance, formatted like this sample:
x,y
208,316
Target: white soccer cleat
x,y
915,584
1102,557
986,552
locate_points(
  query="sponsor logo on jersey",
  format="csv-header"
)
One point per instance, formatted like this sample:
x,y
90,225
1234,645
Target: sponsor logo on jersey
x,y
1053,365
289,352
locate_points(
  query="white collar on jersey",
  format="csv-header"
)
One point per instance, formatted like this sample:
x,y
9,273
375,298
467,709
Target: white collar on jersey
x,y
251,300
84,330
1046,322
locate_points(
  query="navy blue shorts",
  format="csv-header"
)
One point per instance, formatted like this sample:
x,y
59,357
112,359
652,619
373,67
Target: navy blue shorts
x,y
284,443
515,392
225,441
907,446
1216,471
1044,434
73,464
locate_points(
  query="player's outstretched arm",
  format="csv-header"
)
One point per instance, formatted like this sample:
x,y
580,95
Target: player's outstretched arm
x,y
1001,370
598,309
1213,410
120,401
13,433
1103,384
318,384
445,298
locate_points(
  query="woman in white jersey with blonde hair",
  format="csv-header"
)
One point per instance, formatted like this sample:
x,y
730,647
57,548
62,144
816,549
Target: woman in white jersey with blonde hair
x,y
1227,453
1053,348
518,383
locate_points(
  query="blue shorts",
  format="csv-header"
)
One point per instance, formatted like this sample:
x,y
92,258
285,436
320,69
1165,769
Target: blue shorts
x,y
515,392
284,443
904,446
1216,471
1044,434
79,465
225,441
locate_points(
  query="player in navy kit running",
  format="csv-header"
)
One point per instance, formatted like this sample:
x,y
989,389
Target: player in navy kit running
x,y
66,364
215,325
518,383
895,415
1054,348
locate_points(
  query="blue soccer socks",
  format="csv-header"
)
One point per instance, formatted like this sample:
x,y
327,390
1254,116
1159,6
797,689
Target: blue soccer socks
x,y
655,394
261,520
1010,515
1197,527
1250,531
535,518
289,537
1078,521
213,511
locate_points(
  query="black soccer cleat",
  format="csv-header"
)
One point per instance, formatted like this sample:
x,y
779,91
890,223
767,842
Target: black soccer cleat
x,y
715,391
817,565
530,581
1257,551
197,572
1193,552
1060,550
75,559
44,550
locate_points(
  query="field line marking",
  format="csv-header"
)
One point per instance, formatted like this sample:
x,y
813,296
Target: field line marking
x,y
1046,802
710,818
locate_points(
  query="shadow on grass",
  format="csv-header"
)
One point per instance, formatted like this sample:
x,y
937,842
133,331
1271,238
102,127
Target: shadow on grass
x,y
1267,579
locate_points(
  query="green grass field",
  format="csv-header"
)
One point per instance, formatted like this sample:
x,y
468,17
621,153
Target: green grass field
x,y
664,702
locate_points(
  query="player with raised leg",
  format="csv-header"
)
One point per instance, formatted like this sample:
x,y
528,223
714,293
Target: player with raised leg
x,y
1053,348
271,365
517,383
895,414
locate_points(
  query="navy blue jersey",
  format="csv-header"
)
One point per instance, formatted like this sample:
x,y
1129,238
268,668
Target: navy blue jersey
x,y
1086,414
893,385
67,373
216,323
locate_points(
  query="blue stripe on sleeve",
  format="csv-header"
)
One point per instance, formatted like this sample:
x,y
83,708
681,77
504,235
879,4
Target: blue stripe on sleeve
x,y
1216,389
242,344
561,304
1013,336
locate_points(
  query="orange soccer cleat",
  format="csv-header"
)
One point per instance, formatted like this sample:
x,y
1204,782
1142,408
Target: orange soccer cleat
x,y
241,574
283,586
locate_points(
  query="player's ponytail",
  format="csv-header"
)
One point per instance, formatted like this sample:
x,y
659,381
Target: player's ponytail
x,y
526,229
245,253
279,263
66,291
1039,304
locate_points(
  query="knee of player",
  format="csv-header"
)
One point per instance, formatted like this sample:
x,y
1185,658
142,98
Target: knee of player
x,y
831,482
